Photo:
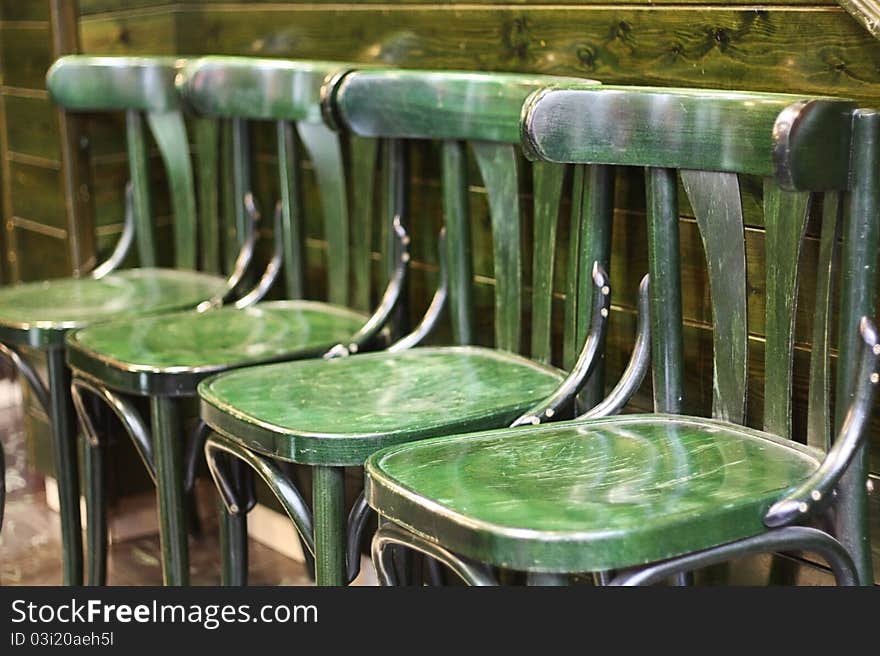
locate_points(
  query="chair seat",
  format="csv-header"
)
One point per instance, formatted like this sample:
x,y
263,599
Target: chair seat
x,y
38,314
337,412
588,496
171,353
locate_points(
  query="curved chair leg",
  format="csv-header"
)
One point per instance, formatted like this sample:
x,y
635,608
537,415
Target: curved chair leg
x,y
790,538
392,535
93,466
357,521
233,525
278,482
168,449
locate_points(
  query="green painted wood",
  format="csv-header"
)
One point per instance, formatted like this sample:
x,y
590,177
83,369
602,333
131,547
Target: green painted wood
x,y
819,411
139,177
171,353
38,314
665,270
437,105
715,198
459,249
637,489
596,210
240,152
169,131
255,88
207,143
498,167
168,448
291,210
364,160
858,298
341,415
547,184
786,217
570,319
86,83
232,198
325,152
695,129
328,493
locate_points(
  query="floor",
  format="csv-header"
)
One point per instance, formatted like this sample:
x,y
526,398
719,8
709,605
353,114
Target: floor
x,y
30,547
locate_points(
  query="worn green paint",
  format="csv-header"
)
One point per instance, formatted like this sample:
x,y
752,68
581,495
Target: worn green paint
x,y
498,167
328,494
819,410
169,132
587,496
364,159
39,313
206,132
291,210
861,238
139,178
171,353
797,140
334,412
86,83
459,249
547,183
325,152
665,270
715,198
168,448
785,214
470,106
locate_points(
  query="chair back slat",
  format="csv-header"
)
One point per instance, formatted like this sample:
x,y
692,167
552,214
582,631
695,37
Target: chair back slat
x,y
139,177
292,222
664,257
819,402
482,111
459,256
785,220
717,204
169,132
323,147
498,167
547,182
207,144
363,155
593,207
241,176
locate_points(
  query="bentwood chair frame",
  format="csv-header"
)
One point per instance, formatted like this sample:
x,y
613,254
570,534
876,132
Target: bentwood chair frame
x,y
38,315
335,414
804,149
111,361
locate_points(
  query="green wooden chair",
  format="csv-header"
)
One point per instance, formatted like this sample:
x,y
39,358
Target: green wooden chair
x,y
333,414
164,357
652,496
38,315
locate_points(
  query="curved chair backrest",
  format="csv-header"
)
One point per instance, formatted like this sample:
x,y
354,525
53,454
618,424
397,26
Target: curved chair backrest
x,y
144,88
483,109
289,93
806,150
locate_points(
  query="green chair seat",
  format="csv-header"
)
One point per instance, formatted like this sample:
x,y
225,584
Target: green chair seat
x,y
572,497
38,314
171,353
338,412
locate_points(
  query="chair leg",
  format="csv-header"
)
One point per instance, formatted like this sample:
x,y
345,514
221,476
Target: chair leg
x,y
233,546
329,519
96,512
168,452
66,469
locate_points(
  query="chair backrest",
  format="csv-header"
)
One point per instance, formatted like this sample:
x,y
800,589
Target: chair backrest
x,y
482,110
142,87
808,152
289,93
